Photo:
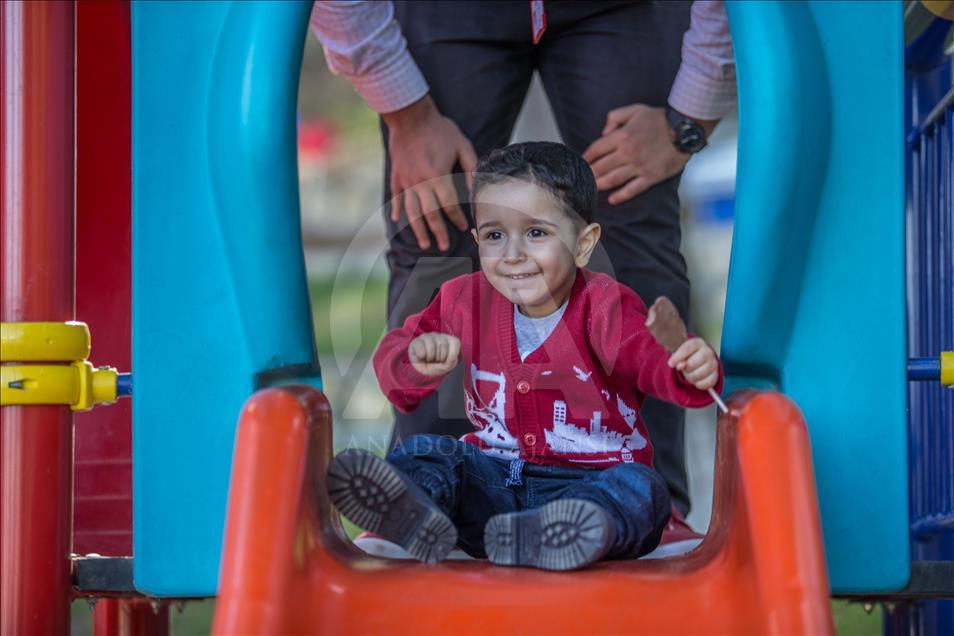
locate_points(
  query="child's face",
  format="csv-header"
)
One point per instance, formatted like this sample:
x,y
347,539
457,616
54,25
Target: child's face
x,y
529,245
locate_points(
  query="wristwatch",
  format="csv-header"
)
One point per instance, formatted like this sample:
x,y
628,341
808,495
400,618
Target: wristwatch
x,y
689,137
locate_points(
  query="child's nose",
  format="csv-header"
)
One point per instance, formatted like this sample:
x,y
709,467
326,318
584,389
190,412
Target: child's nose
x,y
514,250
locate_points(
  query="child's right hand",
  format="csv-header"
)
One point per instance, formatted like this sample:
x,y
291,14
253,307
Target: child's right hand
x,y
434,353
698,363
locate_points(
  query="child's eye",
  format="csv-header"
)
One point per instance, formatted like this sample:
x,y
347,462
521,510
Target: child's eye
x,y
493,235
536,233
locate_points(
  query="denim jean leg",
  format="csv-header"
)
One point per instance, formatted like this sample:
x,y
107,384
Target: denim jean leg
x,y
638,500
432,462
465,483
490,486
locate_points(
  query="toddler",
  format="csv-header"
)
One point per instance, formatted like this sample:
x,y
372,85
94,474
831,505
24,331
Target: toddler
x,y
557,361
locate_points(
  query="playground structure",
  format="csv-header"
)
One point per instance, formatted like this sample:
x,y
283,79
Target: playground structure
x,y
817,275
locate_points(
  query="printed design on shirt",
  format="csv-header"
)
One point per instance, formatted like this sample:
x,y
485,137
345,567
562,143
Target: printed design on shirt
x,y
567,438
547,372
489,417
581,375
636,441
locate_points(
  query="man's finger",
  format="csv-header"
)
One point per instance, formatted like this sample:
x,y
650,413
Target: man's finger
x,y
396,202
617,117
467,157
634,188
614,120
447,197
607,163
442,349
600,147
413,210
616,177
431,210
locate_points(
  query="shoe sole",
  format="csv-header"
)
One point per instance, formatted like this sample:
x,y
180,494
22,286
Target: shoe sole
x,y
376,497
562,535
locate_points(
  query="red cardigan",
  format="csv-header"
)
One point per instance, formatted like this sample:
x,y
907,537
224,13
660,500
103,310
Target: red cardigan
x,y
575,401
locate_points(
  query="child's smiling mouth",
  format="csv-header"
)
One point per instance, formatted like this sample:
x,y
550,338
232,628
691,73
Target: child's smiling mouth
x,y
520,276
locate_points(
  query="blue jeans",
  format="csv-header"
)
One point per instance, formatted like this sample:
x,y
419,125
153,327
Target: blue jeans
x,y
471,487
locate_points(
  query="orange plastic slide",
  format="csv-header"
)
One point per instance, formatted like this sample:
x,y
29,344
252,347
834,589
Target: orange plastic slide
x,y
287,567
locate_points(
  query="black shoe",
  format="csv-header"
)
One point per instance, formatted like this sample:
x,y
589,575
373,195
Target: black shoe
x,y
562,535
376,496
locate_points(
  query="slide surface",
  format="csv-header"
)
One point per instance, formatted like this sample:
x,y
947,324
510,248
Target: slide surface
x,y
287,567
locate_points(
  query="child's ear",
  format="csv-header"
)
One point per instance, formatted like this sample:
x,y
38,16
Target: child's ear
x,y
473,233
586,243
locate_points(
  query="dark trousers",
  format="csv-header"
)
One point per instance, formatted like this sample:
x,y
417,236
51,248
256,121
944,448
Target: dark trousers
x,y
478,59
471,487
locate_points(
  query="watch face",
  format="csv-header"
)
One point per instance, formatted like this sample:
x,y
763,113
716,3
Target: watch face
x,y
690,137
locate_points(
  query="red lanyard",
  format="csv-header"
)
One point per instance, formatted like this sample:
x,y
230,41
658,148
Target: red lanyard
x,y
538,19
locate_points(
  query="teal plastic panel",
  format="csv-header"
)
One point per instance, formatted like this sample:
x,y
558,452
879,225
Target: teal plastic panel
x,y
816,282
220,301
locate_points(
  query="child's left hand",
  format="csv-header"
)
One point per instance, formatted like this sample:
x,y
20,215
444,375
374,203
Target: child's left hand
x,y
698,363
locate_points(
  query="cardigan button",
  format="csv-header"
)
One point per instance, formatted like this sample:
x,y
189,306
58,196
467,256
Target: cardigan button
x,y
529,439
523,386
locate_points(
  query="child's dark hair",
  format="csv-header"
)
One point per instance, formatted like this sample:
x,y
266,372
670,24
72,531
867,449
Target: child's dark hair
x,y
552,166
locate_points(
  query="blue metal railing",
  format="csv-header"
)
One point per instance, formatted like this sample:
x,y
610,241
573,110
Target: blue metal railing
x,y
924,369
929,79
931,327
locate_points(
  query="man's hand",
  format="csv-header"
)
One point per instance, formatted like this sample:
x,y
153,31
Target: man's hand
x,y
434,354
698,363
424,146
635,151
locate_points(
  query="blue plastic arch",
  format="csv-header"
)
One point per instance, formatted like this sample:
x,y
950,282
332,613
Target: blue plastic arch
x,y
816,294
220,301
816,287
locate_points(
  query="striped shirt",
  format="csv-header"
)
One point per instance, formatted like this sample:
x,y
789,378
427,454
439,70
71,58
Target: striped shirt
x,y
363,42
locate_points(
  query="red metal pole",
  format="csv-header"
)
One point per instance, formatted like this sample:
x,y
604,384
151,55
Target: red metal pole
x,y
36,271
130,617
